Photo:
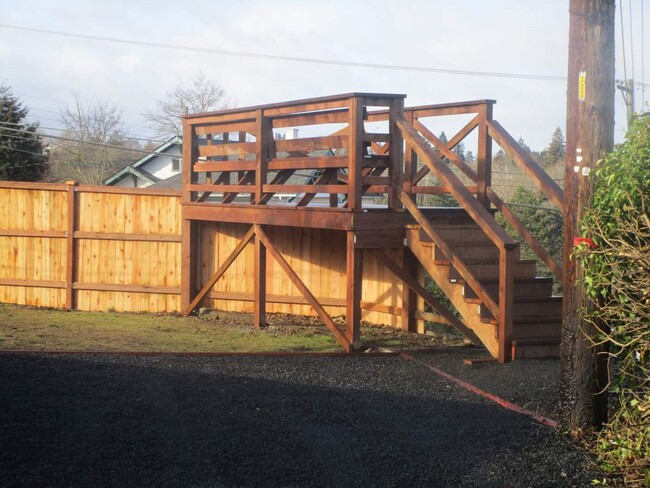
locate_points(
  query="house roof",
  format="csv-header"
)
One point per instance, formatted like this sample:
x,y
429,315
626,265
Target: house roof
x,y
134,168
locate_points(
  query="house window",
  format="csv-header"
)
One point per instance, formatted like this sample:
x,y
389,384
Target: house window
x,y
176,165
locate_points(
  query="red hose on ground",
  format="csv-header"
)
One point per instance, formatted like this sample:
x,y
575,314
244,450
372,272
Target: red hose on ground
x,y
500,401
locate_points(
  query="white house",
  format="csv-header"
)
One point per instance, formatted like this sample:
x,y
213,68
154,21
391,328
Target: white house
x,y
163,163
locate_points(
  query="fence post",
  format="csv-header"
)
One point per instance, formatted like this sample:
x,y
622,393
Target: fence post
x,y
71,251
484,160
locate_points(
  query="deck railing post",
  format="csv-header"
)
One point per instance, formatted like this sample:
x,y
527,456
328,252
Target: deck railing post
x,y
484,160
396,168
189,158
355,153
261,150
410,161
506,302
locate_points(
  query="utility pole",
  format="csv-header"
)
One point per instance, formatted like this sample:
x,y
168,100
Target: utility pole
x,y
589,137
627,90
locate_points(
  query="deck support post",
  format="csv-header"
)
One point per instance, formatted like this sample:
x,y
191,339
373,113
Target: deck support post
x,y
409,297
189,253
506,302
354,277
259,282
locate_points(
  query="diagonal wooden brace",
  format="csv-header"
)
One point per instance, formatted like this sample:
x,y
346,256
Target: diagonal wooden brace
x,y
412,283
220,272
295,279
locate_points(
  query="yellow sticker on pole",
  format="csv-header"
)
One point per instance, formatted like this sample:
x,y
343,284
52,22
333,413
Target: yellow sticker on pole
x,y
582,85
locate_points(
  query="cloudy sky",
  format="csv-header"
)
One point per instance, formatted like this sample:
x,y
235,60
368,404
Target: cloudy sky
x,y
502,36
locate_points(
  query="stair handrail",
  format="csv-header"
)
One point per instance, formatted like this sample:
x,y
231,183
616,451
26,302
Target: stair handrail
x,y
436,165
454,260
524,160
486,222
525,234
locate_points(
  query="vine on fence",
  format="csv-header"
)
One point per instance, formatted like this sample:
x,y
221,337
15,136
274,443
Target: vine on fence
x,y
617,278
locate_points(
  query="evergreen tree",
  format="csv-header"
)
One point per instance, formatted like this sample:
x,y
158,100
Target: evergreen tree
x,y
21,150
443,137
546,224
459,149
521,142
556,149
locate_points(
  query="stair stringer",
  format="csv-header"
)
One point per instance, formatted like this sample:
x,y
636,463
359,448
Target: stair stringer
x,y
485,331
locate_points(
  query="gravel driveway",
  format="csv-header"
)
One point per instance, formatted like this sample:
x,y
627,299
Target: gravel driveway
x,y
257,421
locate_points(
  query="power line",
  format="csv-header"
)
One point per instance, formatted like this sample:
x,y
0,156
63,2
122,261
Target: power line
x,y
247,54
128,134
59,113
90,143
26,152
536,207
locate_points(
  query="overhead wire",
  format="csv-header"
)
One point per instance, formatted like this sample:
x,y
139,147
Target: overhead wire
x,y
127,134
91,143
123,123
278,57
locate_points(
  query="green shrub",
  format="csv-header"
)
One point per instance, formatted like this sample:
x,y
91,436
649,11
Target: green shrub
x,y
617,279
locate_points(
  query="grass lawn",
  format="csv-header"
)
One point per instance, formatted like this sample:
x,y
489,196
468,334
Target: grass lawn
x,y
27,328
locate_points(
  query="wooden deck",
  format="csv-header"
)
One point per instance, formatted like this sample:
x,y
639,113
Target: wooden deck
x,y
301,207
357,167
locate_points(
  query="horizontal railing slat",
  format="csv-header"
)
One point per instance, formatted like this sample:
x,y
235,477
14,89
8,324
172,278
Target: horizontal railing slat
x,y
240,149
308,163
311,143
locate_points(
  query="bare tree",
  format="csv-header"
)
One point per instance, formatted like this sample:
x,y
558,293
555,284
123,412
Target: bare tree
x,y
200,95
97,145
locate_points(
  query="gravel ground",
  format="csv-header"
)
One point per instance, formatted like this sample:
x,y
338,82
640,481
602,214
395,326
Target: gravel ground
x,y
133,421
531,383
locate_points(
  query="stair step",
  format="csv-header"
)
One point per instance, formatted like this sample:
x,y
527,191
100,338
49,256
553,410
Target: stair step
x,y
467,251
542,327
461,234
524,287
535,348
522,269
525,308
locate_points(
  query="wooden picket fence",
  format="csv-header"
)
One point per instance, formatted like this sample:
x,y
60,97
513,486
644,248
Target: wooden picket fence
x,y
101,248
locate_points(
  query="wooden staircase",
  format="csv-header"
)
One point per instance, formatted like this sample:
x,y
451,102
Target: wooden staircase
x,y
536,313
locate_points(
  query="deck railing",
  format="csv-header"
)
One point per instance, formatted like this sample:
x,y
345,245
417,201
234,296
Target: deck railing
x,y
240,155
